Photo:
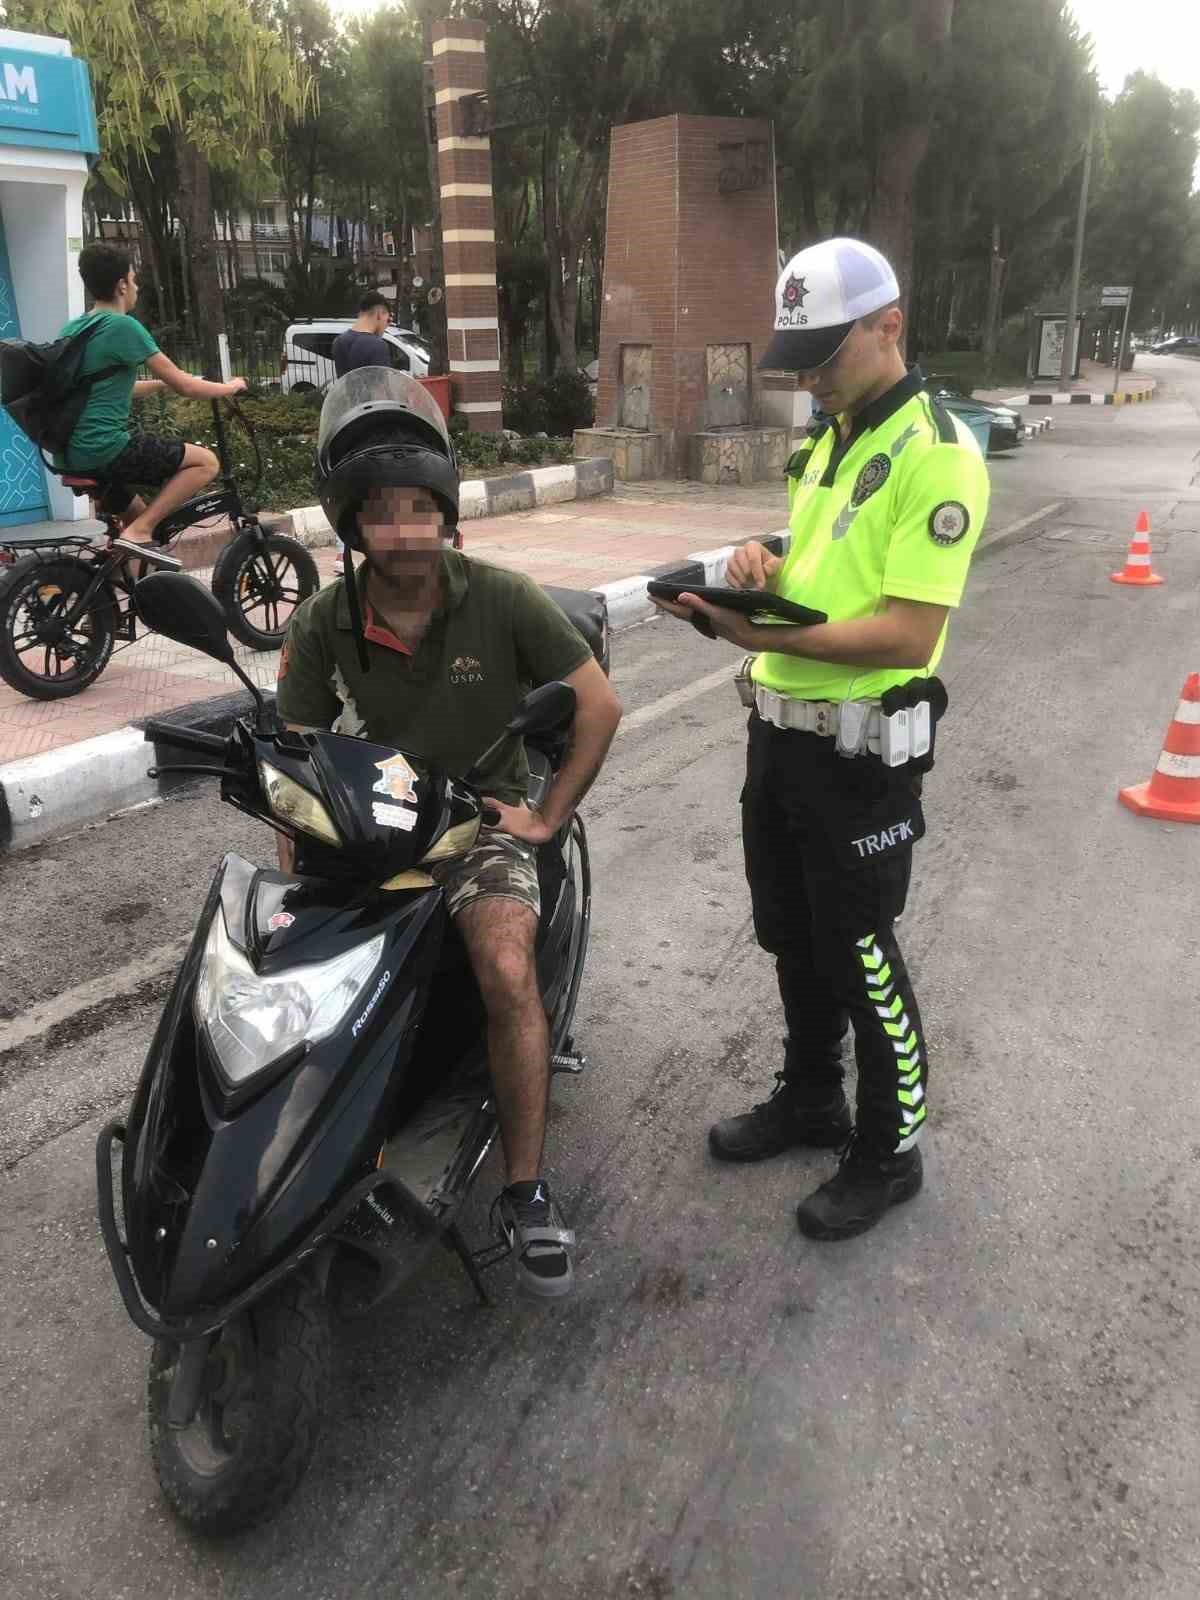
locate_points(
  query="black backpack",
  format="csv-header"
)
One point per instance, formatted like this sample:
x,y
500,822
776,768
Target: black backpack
x,y
42,389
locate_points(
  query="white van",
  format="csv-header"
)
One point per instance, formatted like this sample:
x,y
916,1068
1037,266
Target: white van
x,y
306,361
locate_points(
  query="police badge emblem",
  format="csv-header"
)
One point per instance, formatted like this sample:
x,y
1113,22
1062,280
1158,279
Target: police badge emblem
x,y
871,479
948,522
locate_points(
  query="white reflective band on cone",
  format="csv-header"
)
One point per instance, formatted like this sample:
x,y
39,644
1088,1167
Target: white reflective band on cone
x,y
1173,766
1132,560
1189,711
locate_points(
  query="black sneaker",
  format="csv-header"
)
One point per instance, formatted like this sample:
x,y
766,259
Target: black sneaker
x,y
541,1245
778,1124
865,1185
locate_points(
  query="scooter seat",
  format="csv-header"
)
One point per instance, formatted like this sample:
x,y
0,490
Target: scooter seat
x,y
79,484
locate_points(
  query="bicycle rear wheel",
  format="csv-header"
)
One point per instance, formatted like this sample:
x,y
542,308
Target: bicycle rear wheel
x,y
41,654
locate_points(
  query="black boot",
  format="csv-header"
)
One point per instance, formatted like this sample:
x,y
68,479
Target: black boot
x,y
781,1123
865,1185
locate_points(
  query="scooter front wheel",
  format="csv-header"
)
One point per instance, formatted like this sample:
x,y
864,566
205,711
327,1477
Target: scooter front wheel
x,y
249,1443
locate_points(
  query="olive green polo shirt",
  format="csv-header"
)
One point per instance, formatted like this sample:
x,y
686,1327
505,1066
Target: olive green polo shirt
x,y
493,637
892,507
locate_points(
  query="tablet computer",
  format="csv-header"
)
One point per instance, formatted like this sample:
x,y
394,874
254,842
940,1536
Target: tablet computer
x,y
750,602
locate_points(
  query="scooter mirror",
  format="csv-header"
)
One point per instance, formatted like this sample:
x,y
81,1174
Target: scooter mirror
x,y
542,710
184,610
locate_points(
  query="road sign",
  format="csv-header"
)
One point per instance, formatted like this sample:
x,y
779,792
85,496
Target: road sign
x,y
1115,297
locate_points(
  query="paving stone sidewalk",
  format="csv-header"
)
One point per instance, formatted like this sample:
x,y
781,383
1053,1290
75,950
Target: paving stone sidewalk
x,y
579,543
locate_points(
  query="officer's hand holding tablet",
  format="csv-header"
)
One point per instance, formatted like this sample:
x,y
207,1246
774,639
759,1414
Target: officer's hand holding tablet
x,y
708,603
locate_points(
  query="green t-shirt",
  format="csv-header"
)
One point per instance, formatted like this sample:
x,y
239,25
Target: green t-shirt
x,y
494,637
102,431
893,510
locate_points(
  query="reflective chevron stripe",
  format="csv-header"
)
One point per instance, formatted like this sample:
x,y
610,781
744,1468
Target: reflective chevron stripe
x,y
895,1021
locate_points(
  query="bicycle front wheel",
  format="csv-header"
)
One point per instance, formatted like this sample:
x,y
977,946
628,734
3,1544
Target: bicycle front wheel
x,y
260,579
42,653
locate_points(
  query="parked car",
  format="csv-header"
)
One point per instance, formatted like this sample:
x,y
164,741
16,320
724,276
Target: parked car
x,y
1181,344
996,427
306,361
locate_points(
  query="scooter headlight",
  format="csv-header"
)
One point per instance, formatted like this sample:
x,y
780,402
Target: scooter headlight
x,y
252,1020
292,803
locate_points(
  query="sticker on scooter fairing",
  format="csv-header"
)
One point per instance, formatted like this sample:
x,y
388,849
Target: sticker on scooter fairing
x,y
280,919
361,1023
396,779
393,816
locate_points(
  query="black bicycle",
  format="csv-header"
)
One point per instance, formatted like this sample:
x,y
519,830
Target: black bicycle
x,y
67,603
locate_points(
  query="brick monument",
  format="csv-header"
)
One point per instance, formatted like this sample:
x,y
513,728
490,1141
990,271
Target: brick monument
x,y
464,159
690,263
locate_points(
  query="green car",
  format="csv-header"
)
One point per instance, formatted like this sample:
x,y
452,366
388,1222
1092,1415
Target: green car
x,y
996,427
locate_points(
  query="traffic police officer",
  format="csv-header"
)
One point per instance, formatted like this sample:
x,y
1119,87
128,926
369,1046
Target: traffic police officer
x,y
886,504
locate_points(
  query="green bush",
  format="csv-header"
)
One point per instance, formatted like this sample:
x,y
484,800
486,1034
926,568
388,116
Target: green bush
x,y
286,428
556,405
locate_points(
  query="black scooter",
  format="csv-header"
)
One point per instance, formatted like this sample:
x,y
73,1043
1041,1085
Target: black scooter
x,y
315,1104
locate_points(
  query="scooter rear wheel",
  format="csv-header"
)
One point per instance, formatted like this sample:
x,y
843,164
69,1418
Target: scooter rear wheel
x,y
252,1437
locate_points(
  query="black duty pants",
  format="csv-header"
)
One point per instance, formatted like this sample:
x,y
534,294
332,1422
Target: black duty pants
x,y
828,842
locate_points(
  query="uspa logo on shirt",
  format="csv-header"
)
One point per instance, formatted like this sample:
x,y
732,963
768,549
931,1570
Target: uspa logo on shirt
x,y
465,669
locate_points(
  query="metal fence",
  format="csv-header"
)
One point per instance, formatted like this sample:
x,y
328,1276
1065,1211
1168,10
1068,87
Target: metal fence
x,y
254,352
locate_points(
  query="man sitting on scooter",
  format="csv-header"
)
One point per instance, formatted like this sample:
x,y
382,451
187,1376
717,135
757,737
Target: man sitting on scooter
x,y
430,651
101,445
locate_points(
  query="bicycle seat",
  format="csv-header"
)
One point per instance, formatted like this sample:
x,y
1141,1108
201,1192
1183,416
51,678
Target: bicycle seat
x,y
80,483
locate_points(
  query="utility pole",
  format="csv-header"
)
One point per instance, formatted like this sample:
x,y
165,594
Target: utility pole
x,y
1068,354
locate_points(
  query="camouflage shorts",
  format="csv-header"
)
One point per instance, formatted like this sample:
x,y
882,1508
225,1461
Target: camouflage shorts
x,y
499,867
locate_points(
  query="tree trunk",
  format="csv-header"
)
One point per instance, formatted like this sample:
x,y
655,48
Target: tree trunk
x,y
952,309
185,282
888,221
808,197
997,267
162,279
195,193
254,236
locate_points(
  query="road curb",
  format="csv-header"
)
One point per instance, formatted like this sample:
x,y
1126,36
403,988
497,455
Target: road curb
x,y
488,497
89,781
1127,397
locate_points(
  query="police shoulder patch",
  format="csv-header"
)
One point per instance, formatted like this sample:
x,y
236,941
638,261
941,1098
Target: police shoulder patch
x,y
871,479
948,522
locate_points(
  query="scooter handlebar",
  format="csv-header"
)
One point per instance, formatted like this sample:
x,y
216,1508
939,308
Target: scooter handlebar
x,y
185,738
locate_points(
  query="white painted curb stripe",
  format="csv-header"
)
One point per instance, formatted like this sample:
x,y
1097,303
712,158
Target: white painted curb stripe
x,y
66,788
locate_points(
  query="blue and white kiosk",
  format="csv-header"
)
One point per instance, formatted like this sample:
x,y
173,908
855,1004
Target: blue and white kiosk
x,y
47,144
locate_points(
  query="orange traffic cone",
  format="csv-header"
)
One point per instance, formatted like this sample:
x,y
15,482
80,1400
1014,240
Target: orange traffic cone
x,y
1173,792
1137,561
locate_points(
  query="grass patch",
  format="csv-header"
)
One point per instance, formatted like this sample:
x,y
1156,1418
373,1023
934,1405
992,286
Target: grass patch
x,y
966,369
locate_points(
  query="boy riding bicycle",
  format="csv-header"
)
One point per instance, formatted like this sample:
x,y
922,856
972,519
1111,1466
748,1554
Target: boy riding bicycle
x,y
101,445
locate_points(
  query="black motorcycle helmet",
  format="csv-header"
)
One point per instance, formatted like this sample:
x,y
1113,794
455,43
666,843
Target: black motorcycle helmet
x,y
381,427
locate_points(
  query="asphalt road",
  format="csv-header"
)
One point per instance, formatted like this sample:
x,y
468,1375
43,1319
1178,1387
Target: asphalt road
x,y
992,1394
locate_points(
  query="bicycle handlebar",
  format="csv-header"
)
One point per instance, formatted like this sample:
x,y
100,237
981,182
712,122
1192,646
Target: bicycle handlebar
x,y
185,738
